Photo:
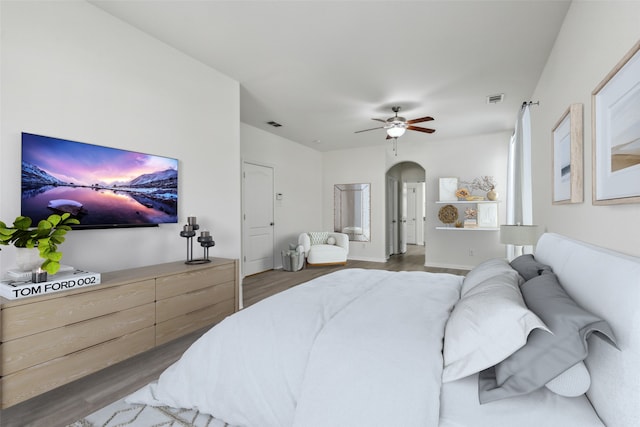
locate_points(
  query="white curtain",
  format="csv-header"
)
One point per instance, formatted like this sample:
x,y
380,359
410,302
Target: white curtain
x,y
519,177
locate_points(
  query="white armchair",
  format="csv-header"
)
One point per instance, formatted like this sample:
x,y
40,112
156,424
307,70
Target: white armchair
x,y
325,248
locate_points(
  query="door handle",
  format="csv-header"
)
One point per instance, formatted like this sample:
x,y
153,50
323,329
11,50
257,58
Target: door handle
x,y
271,224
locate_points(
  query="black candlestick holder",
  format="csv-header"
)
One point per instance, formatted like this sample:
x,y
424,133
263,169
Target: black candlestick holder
x,y
205,240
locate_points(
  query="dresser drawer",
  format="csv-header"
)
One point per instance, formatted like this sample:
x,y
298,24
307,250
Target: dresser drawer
x,y
179,326
34,349
39,316
177,284
27,383
182,304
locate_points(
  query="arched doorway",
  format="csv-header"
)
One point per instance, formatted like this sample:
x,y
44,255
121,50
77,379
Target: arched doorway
x,y
405,209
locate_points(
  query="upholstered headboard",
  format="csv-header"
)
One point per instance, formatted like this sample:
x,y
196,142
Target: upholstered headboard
x,y
606,283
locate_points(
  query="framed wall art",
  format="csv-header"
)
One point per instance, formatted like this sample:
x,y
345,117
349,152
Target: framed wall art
x,y
616,133
488,215
447,189
567,157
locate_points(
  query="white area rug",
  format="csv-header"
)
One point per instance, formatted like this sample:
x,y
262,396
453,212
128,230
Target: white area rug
x,y
121,414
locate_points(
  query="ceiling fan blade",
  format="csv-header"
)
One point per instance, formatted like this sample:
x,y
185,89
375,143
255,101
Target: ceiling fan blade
x,y
419,129
420,120
367,130
380,120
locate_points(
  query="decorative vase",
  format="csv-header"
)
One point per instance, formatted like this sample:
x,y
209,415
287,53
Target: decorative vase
x,y
28,259
492,195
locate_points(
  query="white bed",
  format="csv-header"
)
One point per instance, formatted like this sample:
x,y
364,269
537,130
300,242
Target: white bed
x,y
365,348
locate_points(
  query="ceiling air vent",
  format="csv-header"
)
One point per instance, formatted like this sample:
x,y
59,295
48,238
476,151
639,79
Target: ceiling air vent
x,y
495,99
274,124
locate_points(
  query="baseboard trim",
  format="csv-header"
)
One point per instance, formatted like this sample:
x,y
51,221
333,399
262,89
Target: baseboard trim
x,y
367,259
451,266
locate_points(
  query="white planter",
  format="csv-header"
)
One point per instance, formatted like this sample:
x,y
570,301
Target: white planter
x,y
28,259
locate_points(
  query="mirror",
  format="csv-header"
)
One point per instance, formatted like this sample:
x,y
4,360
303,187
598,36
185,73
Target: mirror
x,y
352,211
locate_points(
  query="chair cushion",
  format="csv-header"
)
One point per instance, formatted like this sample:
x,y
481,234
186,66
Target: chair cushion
x,y
323,254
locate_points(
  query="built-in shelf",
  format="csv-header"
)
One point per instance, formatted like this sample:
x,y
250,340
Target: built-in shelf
x,y
491,211
469,228
464,202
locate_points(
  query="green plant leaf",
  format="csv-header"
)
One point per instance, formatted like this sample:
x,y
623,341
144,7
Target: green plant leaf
x,y
44,225
51,267
54,256
22,222
7,233
55,219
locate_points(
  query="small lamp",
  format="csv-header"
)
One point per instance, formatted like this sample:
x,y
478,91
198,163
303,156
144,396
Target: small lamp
x,y
396,131
519,236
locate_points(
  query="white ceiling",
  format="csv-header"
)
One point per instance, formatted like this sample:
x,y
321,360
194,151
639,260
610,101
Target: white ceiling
x,y
323,69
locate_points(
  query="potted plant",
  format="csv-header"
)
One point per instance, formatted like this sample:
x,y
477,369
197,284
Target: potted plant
x,y
46,237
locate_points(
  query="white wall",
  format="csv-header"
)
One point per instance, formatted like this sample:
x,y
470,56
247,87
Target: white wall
x,y
297,175
465,158
358,166
593,38
587,48
71,71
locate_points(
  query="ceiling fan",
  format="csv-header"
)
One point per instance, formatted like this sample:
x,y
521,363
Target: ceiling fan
x,y
397,125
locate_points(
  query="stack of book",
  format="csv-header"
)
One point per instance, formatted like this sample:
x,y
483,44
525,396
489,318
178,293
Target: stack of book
x,y
23,287
470,223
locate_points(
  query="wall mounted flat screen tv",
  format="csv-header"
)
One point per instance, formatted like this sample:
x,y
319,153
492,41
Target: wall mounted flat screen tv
x,y
102,187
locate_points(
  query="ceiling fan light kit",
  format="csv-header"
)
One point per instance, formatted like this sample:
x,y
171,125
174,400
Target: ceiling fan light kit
x,y
397,125
395,131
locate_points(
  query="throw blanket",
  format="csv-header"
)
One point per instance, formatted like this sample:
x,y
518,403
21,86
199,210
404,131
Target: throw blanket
x,y
352,348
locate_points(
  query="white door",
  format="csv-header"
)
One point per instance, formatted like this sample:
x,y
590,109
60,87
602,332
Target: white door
x,y
412,214
392,215
389,245
420,212
257,197
402,208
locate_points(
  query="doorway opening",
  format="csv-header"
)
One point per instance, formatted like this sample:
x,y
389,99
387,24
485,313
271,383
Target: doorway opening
x,y
405,210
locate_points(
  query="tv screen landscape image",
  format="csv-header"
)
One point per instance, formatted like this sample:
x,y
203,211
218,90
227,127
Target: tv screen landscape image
x,y
102,187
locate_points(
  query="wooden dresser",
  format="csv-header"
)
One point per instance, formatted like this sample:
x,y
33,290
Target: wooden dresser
x,y
51,340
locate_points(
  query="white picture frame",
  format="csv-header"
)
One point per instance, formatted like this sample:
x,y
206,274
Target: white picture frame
x,y
616,133
447,189
487,215
567,151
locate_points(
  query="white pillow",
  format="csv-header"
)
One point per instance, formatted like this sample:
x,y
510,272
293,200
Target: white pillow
x,y
331,240
318,237
486,270
488,324
572,382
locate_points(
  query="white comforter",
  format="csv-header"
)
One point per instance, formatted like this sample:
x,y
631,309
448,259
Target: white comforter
x,y
352,348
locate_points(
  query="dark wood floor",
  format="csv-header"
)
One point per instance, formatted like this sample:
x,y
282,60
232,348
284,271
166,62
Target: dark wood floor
x,y
73,401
